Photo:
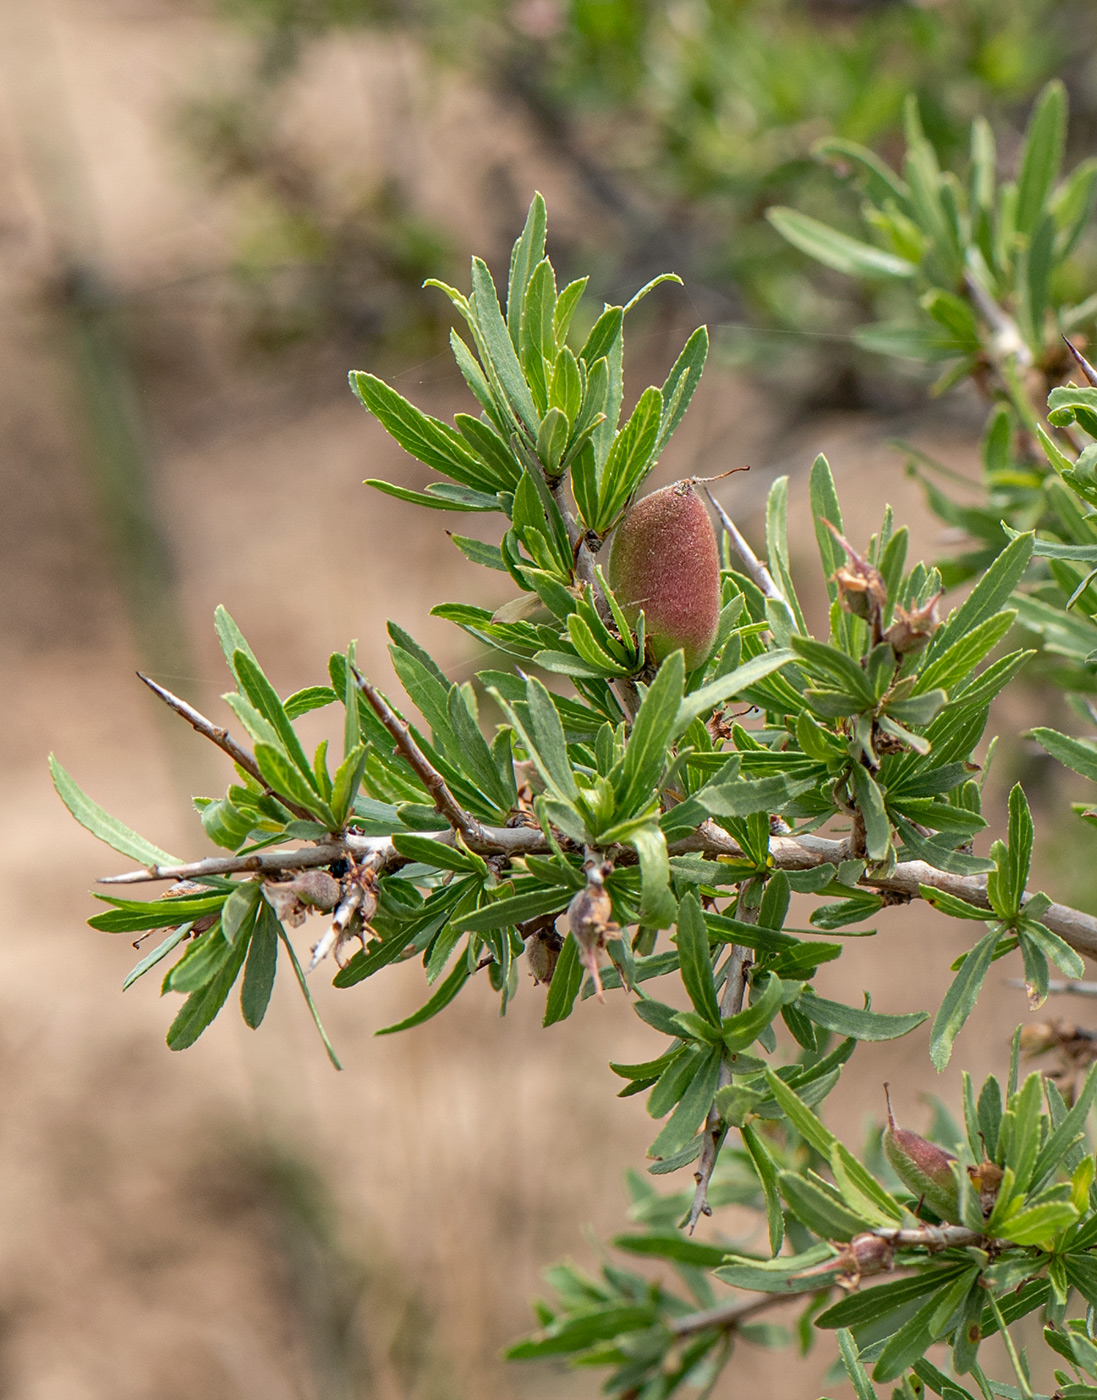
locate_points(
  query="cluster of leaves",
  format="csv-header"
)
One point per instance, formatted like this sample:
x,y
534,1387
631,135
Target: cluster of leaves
x,y
999,295
635,784
1025,1245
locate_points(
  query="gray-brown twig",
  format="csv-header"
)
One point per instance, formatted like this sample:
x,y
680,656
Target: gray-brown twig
x,y
731,1003
225,742
756,570
727,1316
789,853
444,801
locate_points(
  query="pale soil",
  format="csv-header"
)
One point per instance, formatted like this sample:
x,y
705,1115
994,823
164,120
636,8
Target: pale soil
x,y
156,1237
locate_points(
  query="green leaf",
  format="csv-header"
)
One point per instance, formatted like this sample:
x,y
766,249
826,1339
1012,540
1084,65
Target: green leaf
x,y
174,938
950,667
744,1028
260,968
287,781
1041,158
313,697
265,699
526,254
861,1025
1058,1142
650,739
428,440
801,1117
438,497
701,702
834,666
440,854
1038,1224
1013,877
679,385
817,1209
851,1360
870,802
657,907
497,344
508,912
101,824
304,986
834,249
867,1306
915,1337
960,998
825,507
767,1175
202,1005
240,908
548,747
987,597
446,992
695,959
951,904
675,1247
692,1108
1074,753
783,1275
567,978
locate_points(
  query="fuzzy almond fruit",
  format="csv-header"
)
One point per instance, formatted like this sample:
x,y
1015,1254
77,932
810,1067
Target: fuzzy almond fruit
x,y
664,562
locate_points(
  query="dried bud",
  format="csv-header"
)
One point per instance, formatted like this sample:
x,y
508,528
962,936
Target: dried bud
x,y
590,921
924,1168
911,631
864,1255
861,587
664,562
986,1178
311,889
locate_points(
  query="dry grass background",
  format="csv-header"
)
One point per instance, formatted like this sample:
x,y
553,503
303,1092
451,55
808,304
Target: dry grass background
x,y
239,1221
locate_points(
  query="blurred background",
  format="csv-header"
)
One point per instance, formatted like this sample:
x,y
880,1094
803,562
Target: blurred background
x,y
209,212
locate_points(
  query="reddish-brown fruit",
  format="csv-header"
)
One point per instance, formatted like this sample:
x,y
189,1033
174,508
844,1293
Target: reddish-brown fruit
x,y
664,561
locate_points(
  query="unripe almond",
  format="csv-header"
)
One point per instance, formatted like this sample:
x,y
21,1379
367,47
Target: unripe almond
x,y
664,561
924,1168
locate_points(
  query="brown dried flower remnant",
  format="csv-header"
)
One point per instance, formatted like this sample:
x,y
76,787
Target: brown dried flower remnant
x,y
910,631
1075,1048
292,899
861,587
590,916
986,1178
865,1254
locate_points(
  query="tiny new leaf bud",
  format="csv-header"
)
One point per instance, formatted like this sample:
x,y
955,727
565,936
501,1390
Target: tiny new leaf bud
x,y
664,562
924,1168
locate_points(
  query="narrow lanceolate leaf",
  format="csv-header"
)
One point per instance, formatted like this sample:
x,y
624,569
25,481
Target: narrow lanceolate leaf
x,y
497,344
695,959
837,250
703,701
260,968
1042,157
567,978
987,597
650,739
817,1209
93,818
428,440
1074,753
767,1175
202,1005
861,1025
960,999
851,1360
438,1002
870,802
